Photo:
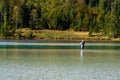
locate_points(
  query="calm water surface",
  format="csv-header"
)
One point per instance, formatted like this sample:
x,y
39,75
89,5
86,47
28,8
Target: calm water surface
x,y
59,64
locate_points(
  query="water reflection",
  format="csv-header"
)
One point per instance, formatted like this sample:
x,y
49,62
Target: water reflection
x,y
59,64
81,54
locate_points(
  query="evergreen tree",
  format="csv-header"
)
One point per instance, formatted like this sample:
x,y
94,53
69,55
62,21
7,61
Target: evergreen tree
x,y
116,13
95,16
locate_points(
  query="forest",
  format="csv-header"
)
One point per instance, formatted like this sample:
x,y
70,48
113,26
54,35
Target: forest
x,y
94,16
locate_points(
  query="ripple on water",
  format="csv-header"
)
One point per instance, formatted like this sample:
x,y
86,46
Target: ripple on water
x,y
59,72
94,65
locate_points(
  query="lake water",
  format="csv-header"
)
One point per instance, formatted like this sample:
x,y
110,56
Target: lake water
x,y
59,64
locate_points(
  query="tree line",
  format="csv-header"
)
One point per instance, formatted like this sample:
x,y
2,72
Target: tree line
x,y
94,16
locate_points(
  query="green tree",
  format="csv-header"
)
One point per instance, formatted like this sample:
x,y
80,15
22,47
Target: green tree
x,y
79,12
1,11
35,14
95,16
108,29
4,17
116,13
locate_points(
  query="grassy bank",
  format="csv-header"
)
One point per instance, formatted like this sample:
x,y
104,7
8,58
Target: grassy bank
x,y
21,34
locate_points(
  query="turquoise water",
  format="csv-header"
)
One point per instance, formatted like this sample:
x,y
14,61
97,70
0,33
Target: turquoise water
x,y
59,64
28,44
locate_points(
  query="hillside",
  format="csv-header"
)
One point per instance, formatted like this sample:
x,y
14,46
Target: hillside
x,y
92,16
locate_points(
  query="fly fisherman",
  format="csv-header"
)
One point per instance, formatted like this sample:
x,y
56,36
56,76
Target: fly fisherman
x,y
82,43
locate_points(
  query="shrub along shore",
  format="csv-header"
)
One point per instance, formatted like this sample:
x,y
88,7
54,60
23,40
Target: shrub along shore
x,y
68,35
98,17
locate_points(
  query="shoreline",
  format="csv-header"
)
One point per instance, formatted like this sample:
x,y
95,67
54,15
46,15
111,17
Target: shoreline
x,y
60,41
57,35
56,45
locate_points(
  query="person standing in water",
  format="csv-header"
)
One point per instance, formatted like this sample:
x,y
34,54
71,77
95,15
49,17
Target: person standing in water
x,y
82,43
